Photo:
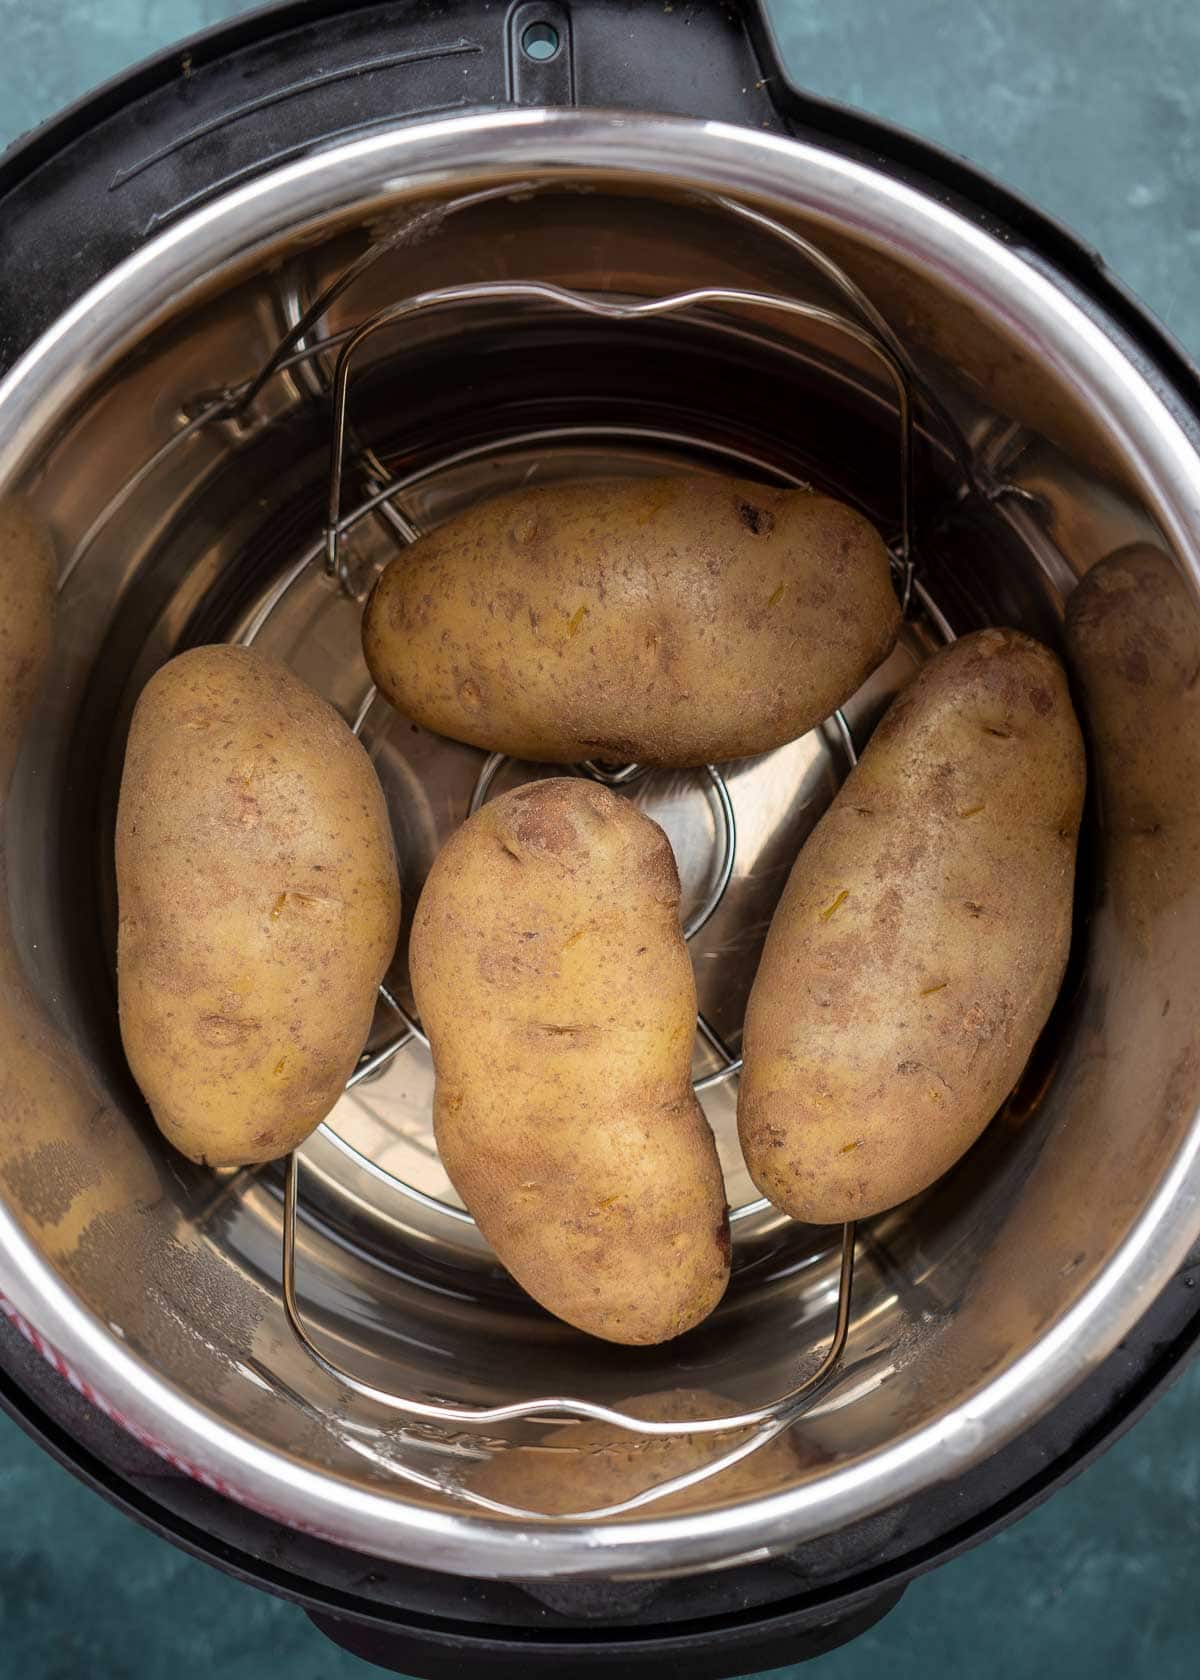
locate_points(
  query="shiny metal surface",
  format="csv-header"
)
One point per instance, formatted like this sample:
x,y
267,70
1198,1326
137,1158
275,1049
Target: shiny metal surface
x,y
765,1422
386,495
975,1307
610,310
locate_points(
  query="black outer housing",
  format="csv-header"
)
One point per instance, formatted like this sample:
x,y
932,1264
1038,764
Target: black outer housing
x,y
86,190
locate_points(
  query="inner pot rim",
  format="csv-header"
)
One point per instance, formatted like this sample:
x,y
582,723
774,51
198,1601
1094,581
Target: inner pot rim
x,y
784,175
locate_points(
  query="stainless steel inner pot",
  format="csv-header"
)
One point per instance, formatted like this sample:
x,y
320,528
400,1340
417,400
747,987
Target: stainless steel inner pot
x,y
1040,447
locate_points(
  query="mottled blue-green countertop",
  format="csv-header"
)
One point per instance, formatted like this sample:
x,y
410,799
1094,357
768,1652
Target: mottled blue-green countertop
x,y
1091,108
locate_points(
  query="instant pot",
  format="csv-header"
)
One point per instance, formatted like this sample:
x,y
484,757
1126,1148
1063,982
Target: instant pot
x,y
271,305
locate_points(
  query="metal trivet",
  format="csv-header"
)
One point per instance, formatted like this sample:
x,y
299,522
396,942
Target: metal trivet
x,y
301,352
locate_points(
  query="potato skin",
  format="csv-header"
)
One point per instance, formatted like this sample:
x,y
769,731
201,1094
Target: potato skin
x,y
1133,640
27,577
1127,1089
551,975
259,904
921,939
671,621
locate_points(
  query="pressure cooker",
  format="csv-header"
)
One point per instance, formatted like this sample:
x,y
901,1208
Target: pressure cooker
x,y
308,285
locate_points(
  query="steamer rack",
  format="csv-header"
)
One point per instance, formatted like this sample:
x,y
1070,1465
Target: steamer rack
x,y
321,364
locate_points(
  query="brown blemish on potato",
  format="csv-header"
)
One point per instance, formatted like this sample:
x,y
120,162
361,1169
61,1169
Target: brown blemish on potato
x,y
222,1032
598,802
929,990
469,692
576,621
1134,666
613,749
248,812
302,902
972,811
776,595
544,826
510,602
758,520
663,643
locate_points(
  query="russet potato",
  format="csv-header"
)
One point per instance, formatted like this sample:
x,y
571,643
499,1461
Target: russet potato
x,y
259,904
675,621
921,938
550,972
27,576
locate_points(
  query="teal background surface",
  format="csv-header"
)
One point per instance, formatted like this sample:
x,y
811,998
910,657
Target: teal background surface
x,y
1091,108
